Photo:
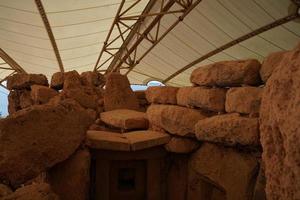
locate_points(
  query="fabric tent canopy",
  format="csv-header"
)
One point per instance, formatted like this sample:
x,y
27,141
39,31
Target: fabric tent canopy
x,y
80,28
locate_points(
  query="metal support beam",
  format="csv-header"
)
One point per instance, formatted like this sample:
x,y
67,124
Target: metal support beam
x,y
50,33
11,62
234,42
141,31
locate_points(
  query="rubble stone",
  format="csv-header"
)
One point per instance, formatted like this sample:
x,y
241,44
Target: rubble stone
x,y
70,179
4,191
57,81
182,145
92,78
85,99
34,139
228,73
71,80
228,129
24,81
42,94
270,63
162,94
25,98
243,100
36,191
118,94
280,128
125,119
13,101
174,119
212,99
226,168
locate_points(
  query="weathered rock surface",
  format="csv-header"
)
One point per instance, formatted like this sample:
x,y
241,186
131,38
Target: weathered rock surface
x,y
162,94
227,169
280,129
131,141
42,94
19,99
70,179
177,177
13,101
25,99
243,100
57,81
24,81
182,145
36,191
228,129
212,99
71,80
125,119
85,99
270,63
174,119
201,188
92,78
34,139
118,94
4,191
228,73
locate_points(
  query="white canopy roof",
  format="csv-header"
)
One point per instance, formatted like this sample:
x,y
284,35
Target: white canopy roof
x,y
80,27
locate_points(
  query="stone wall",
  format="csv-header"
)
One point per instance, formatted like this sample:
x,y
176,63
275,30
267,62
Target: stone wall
x,y
233,135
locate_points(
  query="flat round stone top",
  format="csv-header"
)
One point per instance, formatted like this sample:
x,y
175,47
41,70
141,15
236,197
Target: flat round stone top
x,y
125,119
131,141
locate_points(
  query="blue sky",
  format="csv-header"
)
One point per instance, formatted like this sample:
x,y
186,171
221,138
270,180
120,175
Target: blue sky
x,y
3,101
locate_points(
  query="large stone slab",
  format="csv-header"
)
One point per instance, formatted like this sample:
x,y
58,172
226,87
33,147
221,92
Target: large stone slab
x,y
37,138
24,81
228,73
212,99
182,145
145,139
174,119
162,94
280,129
118,94
42,94
84,98
125,119
107,140
228,129
35,191
131,141
245,100
4,191
70,179
270,63
226,168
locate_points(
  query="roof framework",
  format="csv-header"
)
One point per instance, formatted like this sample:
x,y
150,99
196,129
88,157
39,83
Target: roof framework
x,y
144,39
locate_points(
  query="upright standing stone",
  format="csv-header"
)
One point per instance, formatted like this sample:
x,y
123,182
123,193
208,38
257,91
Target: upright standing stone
x,y
280,129
35,139
270,63
57,81
226,168
228,73
71,178
118,93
